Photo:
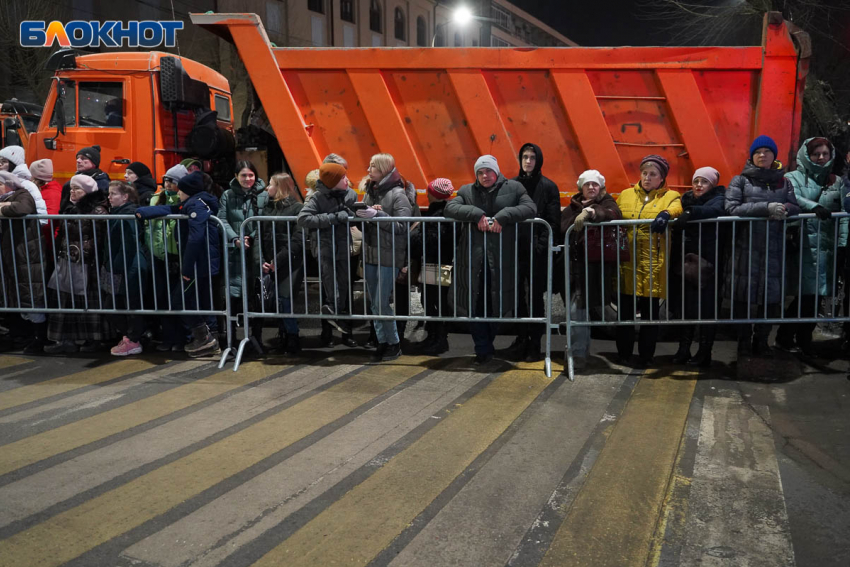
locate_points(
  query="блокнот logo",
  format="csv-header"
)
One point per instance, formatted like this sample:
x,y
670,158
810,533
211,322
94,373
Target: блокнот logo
x,y
80,33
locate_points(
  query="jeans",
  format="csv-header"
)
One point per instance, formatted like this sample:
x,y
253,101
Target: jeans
x,y
185,296
483,334
379,297
287,326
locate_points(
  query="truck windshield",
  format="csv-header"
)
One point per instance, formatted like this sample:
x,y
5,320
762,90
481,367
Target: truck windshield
x,y
66,103
102,104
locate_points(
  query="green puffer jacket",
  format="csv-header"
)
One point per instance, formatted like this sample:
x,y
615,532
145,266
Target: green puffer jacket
x,y
163,241
814,185
237,204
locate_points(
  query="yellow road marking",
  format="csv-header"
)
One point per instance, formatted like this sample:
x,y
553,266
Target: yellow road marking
x,y
614,516
10,361
356,528
90,377
72,533
43,445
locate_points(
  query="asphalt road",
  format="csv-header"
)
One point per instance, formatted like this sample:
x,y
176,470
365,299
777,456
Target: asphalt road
x,y
322,460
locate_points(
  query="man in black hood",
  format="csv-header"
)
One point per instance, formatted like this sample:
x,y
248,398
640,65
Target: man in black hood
x,y
533,251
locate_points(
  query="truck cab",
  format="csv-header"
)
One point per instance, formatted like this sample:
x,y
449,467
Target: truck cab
x,y
18,120
151,107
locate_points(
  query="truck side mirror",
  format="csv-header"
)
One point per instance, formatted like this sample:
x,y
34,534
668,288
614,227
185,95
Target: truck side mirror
x,y
10,132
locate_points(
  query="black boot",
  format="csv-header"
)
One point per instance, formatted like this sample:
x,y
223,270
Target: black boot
x,y
36,345
761,332
203,343
706,342
293,344
327,338
684,353
517,351
257,333
532,350
745,340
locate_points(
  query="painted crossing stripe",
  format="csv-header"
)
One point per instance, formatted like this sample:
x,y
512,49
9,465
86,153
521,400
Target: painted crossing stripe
x,y
736,506
356,528
90,377
60,484
72,533
10,361
613,518
67,437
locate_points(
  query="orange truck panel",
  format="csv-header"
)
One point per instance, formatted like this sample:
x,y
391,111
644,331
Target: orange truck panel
x,y
437,110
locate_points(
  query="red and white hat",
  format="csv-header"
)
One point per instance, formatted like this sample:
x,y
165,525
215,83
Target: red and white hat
x,y
441,188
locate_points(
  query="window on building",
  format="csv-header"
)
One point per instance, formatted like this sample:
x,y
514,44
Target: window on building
x,y
316,6
273,17
346,10
421,32
502,16
498,42
458,39
474,43
317,30
375,17
377,40
102,105
348,36
400,25
440,36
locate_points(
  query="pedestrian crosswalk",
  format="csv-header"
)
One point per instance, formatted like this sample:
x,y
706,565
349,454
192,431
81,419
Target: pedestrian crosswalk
x,y
324,461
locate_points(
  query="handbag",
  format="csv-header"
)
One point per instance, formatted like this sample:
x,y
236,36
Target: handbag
x,y
436,274
607,245
70,277
697,270
110,282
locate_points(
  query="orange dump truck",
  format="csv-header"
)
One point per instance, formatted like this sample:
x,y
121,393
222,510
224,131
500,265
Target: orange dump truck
x,y
436,110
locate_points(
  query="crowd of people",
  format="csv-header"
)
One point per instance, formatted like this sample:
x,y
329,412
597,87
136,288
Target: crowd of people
x,y
490,265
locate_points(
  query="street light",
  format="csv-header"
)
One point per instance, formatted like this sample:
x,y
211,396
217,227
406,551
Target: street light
x,y
460,17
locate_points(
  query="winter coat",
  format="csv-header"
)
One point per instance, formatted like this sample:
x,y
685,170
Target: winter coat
x,y
318,218
390,193
636,278
124,254
509,204
606,210
236,205
51,192
439,238
814,185
23,273
72,232
283,245
160,243
197,253
146,188
547,199
100,177
749,195
706,241
23,173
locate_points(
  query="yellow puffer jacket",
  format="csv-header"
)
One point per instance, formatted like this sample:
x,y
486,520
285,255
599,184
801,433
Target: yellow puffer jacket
x,y
635,203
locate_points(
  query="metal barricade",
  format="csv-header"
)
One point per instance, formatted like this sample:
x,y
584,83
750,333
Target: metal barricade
x,y
68,266
333,296
708,289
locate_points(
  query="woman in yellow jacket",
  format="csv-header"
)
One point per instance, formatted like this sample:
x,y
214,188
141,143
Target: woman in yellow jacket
x,y
644,278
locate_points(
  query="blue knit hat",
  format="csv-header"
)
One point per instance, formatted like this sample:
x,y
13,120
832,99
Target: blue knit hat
x,y
763,142
192,184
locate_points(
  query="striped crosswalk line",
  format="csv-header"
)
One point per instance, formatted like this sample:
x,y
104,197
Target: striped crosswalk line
x,y
356,528
10,361
71,533
90,377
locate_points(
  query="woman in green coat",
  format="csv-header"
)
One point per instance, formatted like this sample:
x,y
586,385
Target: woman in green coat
x,y
821,192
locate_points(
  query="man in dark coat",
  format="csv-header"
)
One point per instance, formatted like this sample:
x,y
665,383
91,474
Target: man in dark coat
x,y
88,163
483,282
533,251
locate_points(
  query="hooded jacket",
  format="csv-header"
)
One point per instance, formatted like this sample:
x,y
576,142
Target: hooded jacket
x,y
636,278
816,185
197,252
749,195
146,188
161,235
235,206
544,192
391,194
509,204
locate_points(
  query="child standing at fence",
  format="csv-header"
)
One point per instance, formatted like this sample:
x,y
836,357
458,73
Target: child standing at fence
x,y
201,241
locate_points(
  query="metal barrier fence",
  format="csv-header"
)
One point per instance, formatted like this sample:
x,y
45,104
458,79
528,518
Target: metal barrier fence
x,y
722,270
68,266
444,250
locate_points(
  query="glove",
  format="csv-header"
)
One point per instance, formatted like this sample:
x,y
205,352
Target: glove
x,y
660,222
341,217
678,223
776,211
366,213
822,212
581,218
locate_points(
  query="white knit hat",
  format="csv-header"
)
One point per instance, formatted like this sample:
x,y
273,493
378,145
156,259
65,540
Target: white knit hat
x,y
15,154
590,175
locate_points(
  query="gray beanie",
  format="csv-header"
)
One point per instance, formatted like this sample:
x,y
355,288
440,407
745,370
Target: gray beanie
x,y
488,162
176,173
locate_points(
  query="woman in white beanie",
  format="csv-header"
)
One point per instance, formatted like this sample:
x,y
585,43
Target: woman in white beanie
x,y
590,205
13,160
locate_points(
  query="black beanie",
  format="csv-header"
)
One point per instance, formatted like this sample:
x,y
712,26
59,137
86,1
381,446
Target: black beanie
x,y
92,153
139,169
192,184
